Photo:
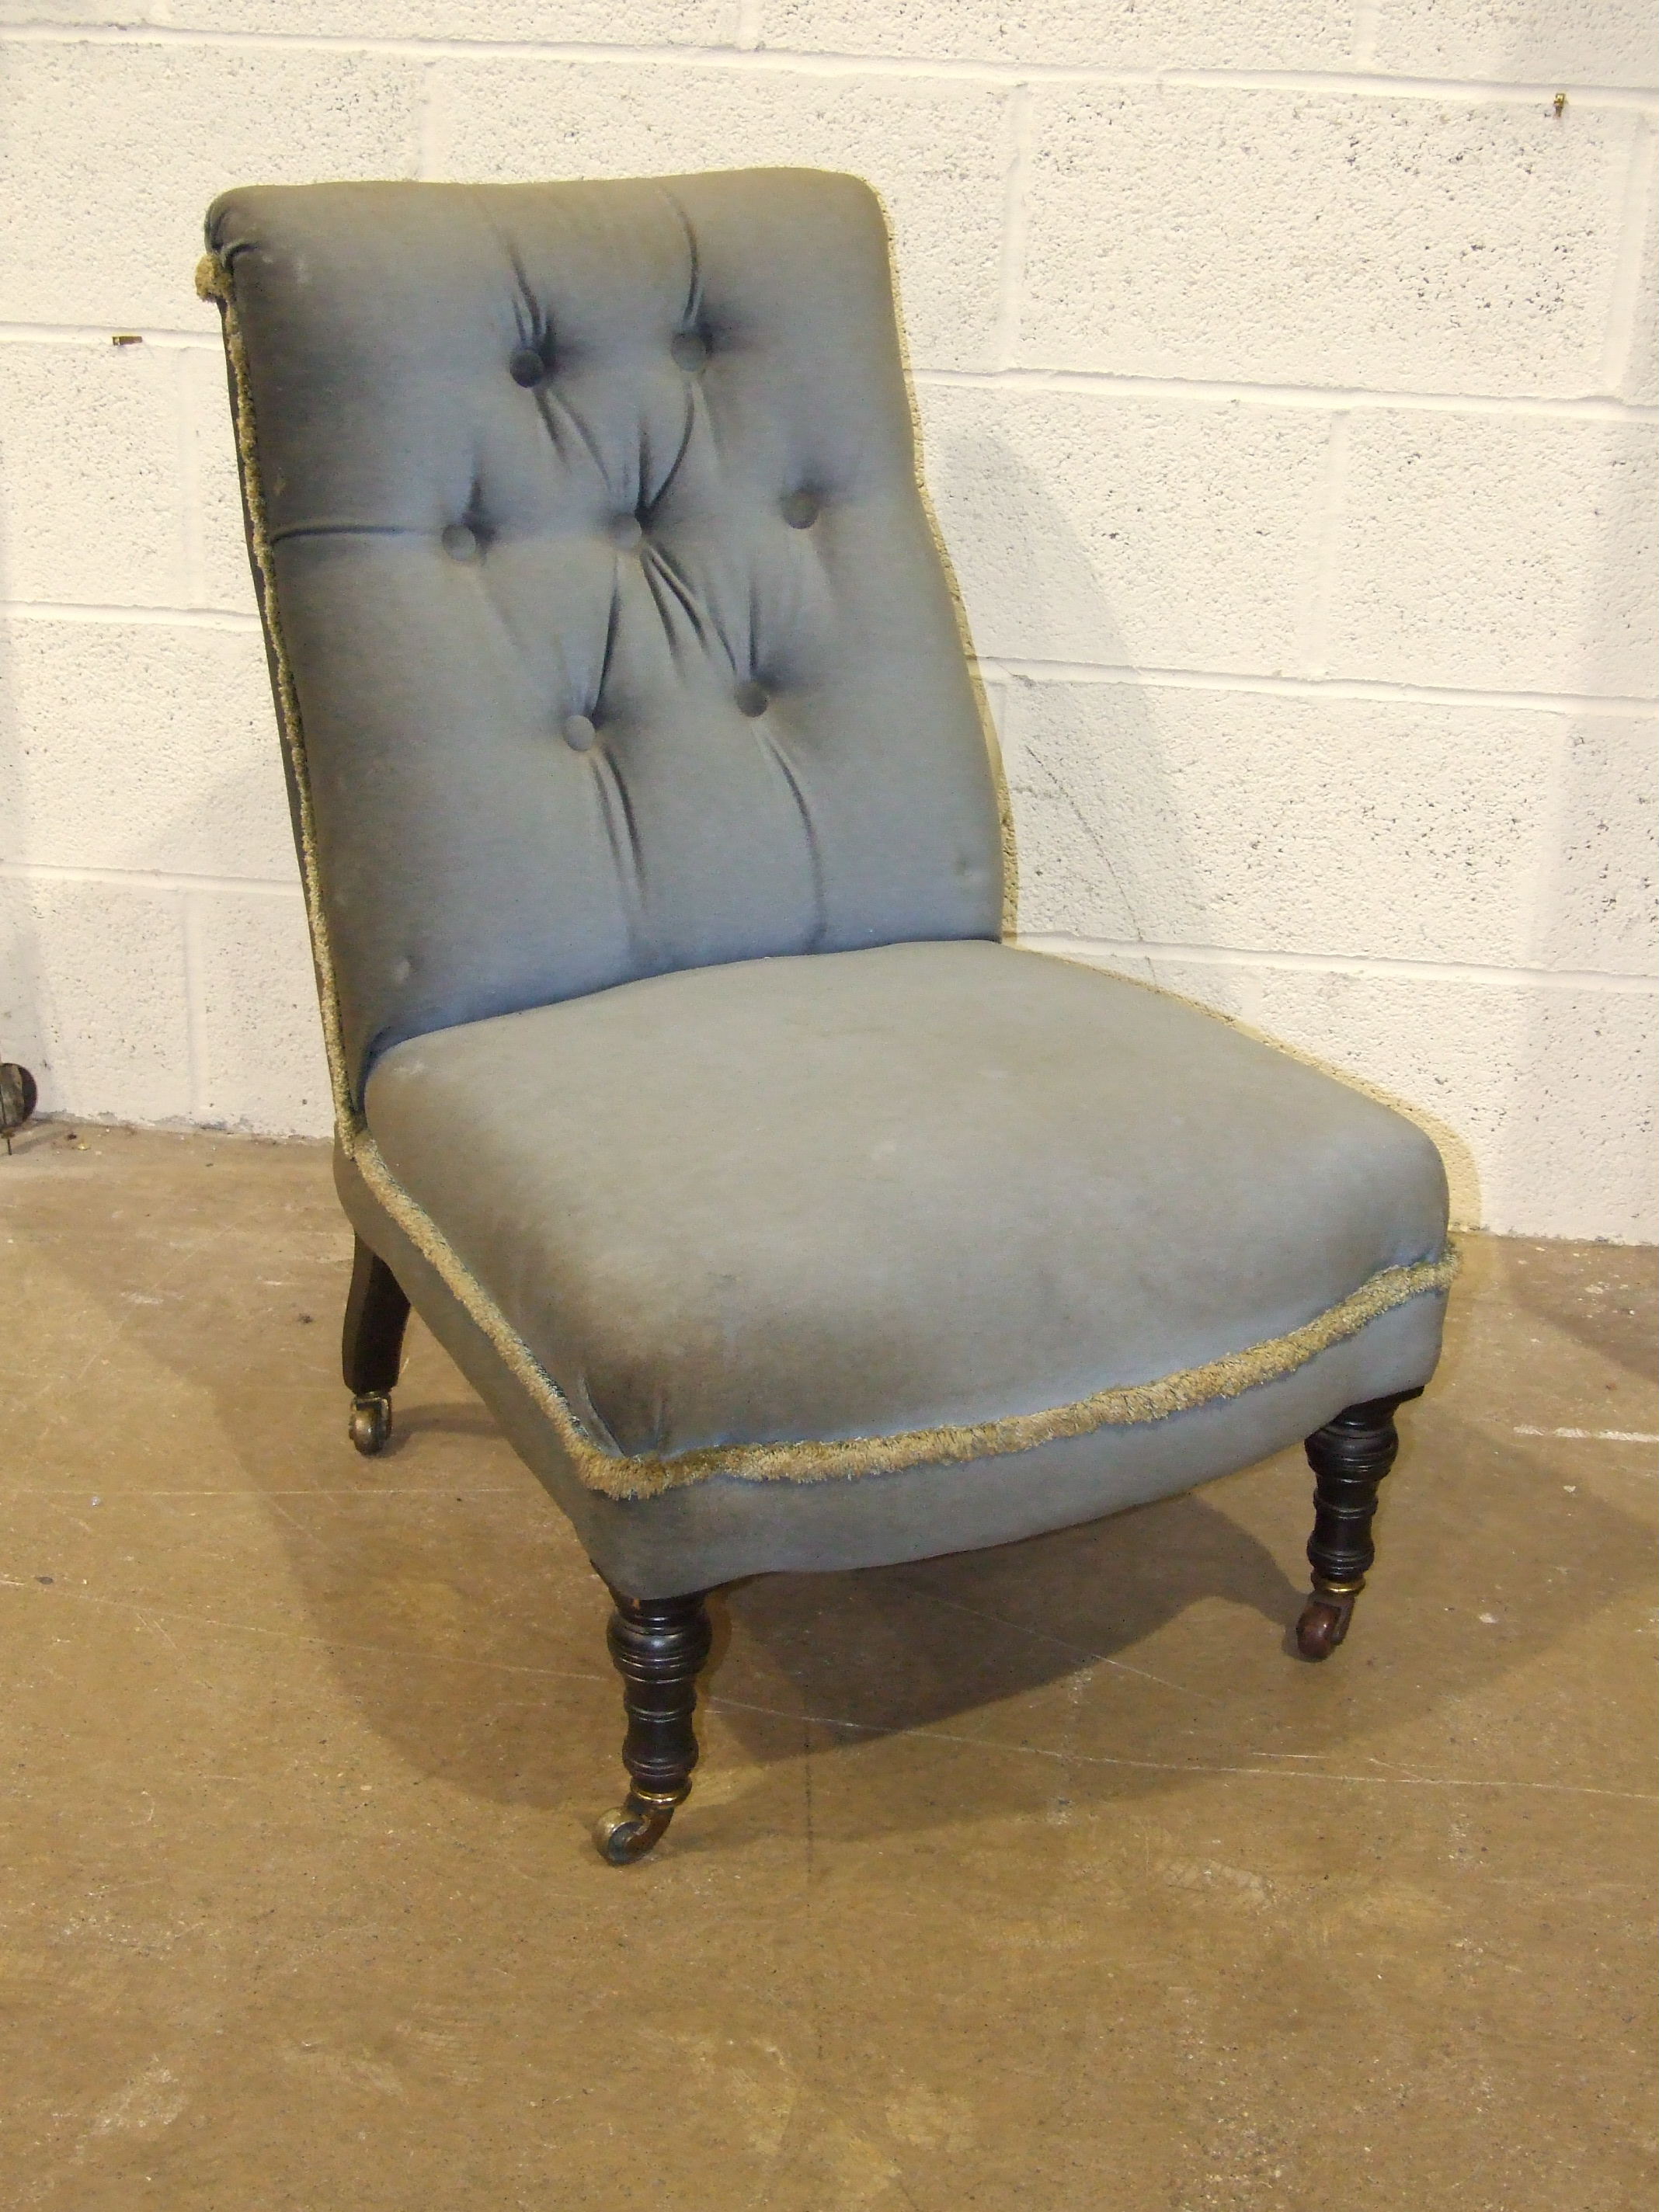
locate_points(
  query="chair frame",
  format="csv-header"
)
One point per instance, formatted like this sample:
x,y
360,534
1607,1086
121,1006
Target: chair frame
x,y
659,1646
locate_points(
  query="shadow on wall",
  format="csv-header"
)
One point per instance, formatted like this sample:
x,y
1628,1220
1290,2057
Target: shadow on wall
x,y
1568,1143
1102,852
1579,1112
1105,855
153,961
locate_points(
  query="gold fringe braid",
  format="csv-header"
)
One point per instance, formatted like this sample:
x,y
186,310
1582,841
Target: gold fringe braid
x,y
213,282
1125,1406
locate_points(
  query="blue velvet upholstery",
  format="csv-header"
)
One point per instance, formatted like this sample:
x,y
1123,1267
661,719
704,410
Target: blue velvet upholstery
x,y
619,637
783,1215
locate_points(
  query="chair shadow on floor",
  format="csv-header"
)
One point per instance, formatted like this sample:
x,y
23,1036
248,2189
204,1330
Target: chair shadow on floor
x,y
1110,1662
953,1645
461,1621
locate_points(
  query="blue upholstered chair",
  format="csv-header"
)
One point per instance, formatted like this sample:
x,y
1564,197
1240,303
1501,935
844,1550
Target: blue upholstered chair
x,y
785,1218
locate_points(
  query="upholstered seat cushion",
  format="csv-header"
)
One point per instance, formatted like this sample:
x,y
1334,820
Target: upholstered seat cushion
x,y
866,1195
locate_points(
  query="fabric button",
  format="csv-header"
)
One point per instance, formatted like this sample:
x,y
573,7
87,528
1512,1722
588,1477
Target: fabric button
x,y
526,366
801,510
691,351
579,732
460,542
752,699
625,532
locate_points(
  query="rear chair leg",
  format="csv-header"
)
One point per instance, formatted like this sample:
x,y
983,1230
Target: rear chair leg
x,y
658,1645
372,1347
1349,1457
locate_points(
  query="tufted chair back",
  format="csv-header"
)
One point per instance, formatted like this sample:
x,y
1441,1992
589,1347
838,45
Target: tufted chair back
x,y
608,625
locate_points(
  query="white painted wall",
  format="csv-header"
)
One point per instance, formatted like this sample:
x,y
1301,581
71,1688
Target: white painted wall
x,y
1288,377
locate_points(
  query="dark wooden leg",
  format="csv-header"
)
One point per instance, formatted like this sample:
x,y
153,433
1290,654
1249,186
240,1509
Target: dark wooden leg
x,y
1349,1457
372,1347
658,1645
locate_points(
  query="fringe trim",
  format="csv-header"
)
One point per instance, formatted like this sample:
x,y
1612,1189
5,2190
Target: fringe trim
x,y
213,282
616,1474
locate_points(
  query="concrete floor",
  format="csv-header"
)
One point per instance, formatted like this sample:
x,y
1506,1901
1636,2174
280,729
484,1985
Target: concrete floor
x,y
1034,1878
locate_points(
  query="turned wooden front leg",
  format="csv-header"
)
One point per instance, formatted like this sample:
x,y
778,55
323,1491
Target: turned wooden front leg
x,y
1349,1457
658,1646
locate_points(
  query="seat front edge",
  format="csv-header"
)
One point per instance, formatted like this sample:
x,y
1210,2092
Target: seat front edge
x,y
623,1476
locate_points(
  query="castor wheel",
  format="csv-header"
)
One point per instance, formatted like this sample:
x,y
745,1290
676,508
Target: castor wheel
x,y
370,1427
1324,1622
637,1827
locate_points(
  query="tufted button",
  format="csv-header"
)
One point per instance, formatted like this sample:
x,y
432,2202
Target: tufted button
x,y
752,699
690,350
578,733
801,510
460,542
526,366
625,532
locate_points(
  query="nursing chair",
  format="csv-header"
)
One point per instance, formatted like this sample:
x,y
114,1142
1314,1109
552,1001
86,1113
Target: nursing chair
x,y
784,1216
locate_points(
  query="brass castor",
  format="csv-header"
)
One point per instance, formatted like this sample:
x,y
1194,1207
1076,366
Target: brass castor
x,y
1324,1621
638,1826
370,1427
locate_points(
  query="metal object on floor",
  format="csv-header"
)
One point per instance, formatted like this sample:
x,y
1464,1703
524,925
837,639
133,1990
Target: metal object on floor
x,y
19,1097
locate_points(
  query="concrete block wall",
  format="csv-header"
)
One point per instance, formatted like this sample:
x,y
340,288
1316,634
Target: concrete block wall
x,y
1288,386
